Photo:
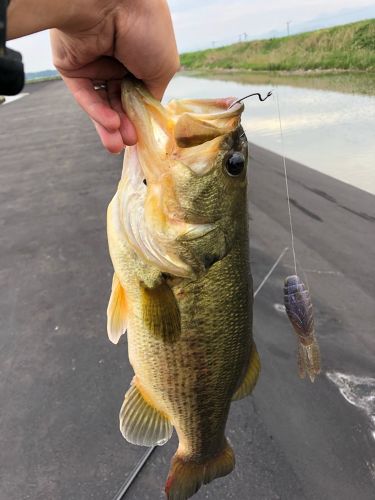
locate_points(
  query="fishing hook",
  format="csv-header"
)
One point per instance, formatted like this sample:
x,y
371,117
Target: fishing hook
x,y
250,95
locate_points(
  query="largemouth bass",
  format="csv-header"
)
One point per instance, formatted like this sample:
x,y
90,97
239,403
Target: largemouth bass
x,y
182,287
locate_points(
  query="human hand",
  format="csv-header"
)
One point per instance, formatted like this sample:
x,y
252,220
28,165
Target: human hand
x,y
101,42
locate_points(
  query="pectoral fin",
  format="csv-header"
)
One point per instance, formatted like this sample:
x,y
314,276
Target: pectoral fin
x,y
141,423
251,376
161,313
116,311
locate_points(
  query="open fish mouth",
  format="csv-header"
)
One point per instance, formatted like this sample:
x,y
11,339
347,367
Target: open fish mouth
x,y
185,129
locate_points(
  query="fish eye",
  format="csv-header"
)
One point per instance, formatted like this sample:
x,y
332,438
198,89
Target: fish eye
x,y
235,164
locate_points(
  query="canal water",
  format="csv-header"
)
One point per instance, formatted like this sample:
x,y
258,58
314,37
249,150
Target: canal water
x,y
331,132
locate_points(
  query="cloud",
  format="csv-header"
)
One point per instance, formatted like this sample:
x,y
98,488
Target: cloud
x,y
222,21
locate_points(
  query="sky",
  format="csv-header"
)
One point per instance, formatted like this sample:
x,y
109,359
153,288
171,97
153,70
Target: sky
x,y
201,24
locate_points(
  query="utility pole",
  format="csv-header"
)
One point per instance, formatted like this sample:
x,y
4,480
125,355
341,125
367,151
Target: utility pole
x,y
287,27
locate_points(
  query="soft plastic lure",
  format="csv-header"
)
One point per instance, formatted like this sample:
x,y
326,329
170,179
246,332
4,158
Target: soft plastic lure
x,y
299,309
297,299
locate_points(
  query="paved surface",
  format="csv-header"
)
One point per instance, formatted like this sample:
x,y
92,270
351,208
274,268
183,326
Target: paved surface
x,y
62,381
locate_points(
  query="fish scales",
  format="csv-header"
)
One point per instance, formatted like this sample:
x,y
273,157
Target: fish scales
x,y
194,378
182,285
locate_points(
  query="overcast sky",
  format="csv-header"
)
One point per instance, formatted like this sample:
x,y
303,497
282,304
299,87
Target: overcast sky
x,y
199,23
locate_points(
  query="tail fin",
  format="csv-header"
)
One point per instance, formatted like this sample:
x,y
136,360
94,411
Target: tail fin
x,y
187,476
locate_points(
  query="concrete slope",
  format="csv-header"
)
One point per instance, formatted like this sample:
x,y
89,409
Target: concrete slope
x,y
62,381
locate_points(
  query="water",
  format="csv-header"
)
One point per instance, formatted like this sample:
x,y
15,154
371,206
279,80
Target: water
x,y
331,132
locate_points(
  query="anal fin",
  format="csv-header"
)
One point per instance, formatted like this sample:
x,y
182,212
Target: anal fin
x,y
116,311
141,423
161,313
251,376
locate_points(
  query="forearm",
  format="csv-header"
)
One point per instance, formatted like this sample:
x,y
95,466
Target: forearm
x,y
29,16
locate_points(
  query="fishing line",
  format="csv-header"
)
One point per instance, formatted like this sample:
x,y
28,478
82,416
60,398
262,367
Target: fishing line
x,y
260,286
297,300
137,469
286,182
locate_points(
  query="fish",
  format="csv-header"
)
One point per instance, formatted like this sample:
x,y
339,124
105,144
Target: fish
x,y
182,289
298,306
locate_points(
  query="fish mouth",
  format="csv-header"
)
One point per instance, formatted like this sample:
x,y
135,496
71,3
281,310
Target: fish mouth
x,y
135,96
172,131
152,125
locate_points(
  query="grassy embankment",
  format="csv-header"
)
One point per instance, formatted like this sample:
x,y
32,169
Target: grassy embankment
x,y
347,47
43,79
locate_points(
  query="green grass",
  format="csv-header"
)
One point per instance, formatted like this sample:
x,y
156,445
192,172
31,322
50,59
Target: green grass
x,y
43,79
347,47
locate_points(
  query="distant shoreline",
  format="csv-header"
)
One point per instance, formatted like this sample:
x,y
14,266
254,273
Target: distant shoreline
x,y
281,72
347,47
348,82
42,79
